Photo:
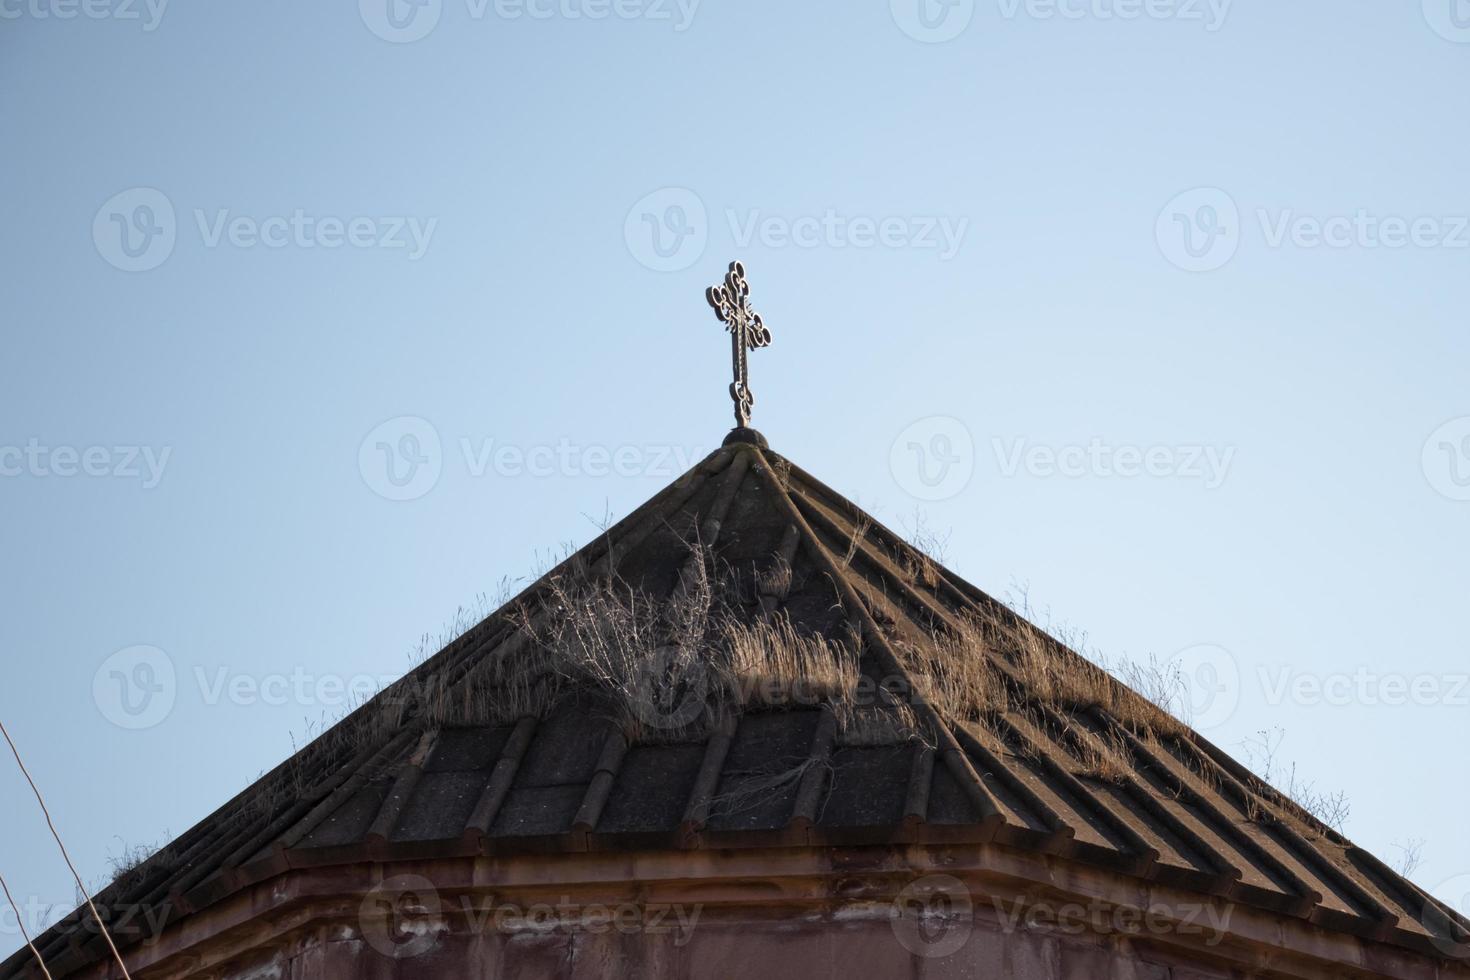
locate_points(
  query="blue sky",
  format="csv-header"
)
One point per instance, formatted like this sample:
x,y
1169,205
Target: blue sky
x,y
321,320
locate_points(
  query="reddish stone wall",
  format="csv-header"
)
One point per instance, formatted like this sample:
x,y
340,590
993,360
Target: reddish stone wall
x,y
960,913
846,945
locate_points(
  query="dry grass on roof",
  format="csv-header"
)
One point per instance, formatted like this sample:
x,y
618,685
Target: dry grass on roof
x,y
776,579
769,662
673,668
984,665
660,668
953,670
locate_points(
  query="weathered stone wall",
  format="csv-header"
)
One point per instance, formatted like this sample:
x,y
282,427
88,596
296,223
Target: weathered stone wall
x,y
847,944
955,913
847,952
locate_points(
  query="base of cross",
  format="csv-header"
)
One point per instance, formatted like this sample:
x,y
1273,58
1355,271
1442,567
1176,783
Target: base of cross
x,y
744,433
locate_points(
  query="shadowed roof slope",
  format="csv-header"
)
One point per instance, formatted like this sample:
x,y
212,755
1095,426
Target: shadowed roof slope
x,y
936,714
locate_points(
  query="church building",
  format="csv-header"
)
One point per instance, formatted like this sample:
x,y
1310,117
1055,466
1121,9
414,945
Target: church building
x,y
750,731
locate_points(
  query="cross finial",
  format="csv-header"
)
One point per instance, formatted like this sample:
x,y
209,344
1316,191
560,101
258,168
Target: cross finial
x,y
731,303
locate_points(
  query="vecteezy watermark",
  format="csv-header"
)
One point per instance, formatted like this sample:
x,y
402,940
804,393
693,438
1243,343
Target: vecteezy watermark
x,y
301,230
1093,918
933,458
137,230
1210,677
1210,14
403,458
1450,19
932,21
1446,459
1362,229
669,229
31,916
1208,464
299,687
1451,898
572,459
137,922
594,918
835,230
1365,687
149,13
672,689
936,21
138,687
403,917
1200,230
669,690
144,463
405,21
401,21
1200,685
135,687
933,916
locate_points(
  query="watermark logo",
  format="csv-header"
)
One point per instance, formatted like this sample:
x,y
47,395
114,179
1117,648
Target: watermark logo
x,y
679,13
1448,935
593,918
669,689
1446,459
667,231
1364,686
401,459
400,21
138,687
1362,229
35,459
933,458
1210,13
298,687
140,922
402,916
936,21
932,21
306,231
148,12
1211,685
405,21
1450,19
1199,230
571,459
135,230
135,688
833,229
1094,918
1207,464
933,916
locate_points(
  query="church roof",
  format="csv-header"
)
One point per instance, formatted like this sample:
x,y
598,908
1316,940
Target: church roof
x,y
847,691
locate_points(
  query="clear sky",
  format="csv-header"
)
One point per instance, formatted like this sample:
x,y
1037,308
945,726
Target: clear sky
x,y
321,319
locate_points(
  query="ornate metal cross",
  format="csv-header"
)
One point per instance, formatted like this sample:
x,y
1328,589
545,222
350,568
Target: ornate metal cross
x,y
731,303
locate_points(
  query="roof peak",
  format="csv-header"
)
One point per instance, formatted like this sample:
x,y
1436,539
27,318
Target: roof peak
x,y
745,434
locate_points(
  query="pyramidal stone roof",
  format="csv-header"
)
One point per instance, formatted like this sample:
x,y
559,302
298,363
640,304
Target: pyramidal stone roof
x,y
749,660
